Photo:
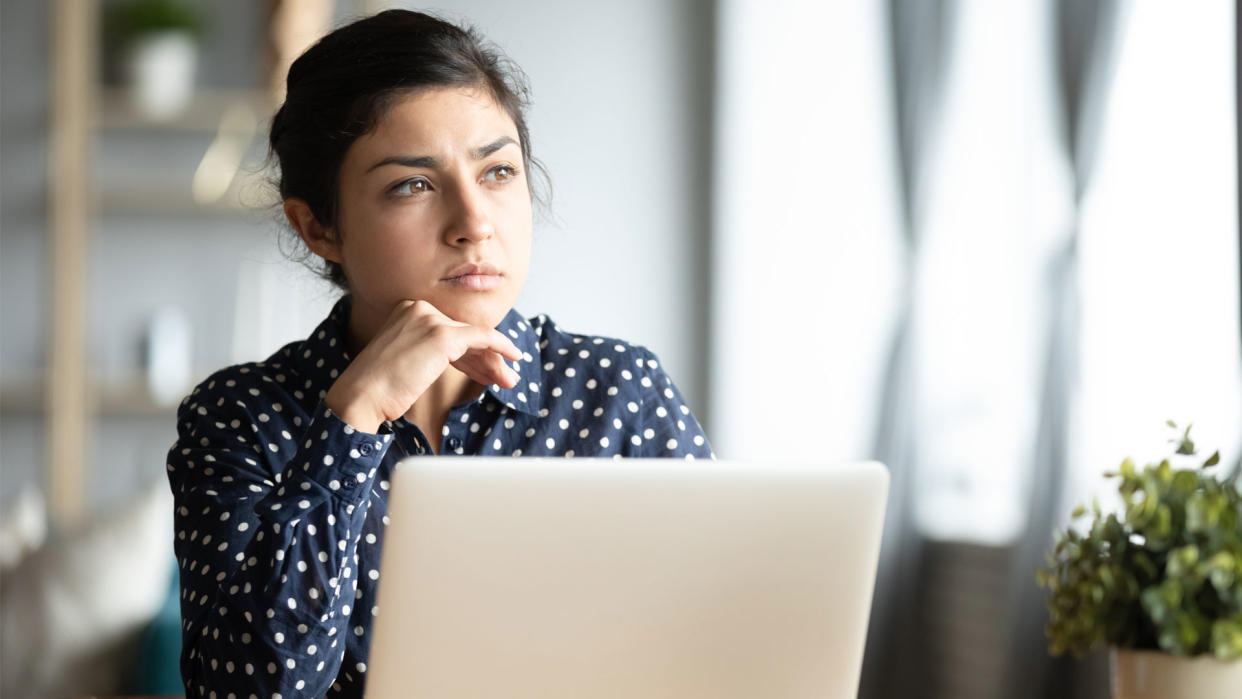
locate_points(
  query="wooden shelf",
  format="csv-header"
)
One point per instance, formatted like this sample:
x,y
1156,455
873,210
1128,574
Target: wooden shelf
x,y
204,113
115,398
248,194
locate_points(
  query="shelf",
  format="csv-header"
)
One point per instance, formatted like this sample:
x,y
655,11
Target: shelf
x,y
204,113
114,398
247,192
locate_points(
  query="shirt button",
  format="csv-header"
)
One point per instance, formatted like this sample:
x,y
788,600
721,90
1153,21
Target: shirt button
x,y
348,483
366,449
454,442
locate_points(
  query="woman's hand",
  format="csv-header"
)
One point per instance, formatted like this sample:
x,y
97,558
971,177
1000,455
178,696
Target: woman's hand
x,y
411,350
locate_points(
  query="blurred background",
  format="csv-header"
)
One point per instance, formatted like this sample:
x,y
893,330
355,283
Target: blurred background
x,y
994,245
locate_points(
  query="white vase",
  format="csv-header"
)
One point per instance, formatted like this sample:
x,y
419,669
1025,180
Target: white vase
x,y
160,68
1144,674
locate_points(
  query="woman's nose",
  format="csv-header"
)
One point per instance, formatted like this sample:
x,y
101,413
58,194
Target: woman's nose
x,y
471,221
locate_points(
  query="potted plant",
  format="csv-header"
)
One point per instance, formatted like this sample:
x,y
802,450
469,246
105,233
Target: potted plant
x,y
159,44
1159,582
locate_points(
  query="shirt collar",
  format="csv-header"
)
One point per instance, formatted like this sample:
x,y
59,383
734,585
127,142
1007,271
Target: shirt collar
x,y
325,352
526,396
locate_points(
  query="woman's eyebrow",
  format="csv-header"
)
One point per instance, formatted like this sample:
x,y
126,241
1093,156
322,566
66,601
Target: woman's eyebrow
x,y
430,162
483,151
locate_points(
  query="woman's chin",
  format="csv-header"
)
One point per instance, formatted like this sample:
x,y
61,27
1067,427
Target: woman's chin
x,y
482,310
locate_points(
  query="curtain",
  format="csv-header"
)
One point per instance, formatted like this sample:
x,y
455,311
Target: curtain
x,y
919,34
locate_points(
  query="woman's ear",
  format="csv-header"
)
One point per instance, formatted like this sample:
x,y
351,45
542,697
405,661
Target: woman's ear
x,y
321,241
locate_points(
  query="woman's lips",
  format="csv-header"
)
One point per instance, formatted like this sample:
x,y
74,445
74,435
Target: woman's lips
x,y
475,282
479,276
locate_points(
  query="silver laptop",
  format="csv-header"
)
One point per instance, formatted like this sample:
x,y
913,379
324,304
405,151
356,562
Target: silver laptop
x,y
584,578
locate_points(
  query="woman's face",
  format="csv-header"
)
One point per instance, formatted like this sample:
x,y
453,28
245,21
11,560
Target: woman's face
x,y
435,206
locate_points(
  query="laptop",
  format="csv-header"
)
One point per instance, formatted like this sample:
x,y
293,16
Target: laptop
x,y
644,578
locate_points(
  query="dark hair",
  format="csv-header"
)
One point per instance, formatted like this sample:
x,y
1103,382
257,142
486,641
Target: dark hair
x,y
340,88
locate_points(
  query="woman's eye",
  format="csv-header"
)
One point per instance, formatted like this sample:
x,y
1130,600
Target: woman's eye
x,y
411,187
501,173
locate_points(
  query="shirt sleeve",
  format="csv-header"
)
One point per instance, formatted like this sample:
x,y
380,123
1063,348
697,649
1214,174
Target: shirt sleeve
x,y
669,429
267,524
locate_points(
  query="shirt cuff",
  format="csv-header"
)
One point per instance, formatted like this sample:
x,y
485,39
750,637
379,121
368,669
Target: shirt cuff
x,y
334,460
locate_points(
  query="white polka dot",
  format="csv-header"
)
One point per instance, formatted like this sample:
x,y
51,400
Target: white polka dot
x,y
636,440
632,406
671,444
550,442
698,440
603,442
605,362
373,574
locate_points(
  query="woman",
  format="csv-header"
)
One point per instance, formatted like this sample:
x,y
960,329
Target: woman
x,y
403,155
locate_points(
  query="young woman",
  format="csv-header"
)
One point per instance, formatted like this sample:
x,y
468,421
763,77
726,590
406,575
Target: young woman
x,y
403,158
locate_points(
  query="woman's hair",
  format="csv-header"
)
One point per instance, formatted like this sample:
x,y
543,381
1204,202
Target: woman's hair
x,y
340,89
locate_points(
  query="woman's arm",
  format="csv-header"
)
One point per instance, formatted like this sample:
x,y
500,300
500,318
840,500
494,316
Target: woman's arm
x,y
269,508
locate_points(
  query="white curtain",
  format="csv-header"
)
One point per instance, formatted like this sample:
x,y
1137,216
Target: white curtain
x,y
806,246
1160,336
809,268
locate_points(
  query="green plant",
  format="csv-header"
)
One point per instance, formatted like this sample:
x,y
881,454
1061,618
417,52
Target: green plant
x,y
136,18
1164,575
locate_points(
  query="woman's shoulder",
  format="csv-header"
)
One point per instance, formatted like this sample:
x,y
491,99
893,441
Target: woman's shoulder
x,y
279,377
616,366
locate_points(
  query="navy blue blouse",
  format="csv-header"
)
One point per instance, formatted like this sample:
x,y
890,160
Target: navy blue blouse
x,y
281,506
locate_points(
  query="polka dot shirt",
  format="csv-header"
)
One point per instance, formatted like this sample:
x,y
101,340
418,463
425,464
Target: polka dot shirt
x,y
281,506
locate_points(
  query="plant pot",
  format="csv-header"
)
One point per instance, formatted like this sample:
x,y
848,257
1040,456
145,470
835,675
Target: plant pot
x,y
160,68
1144,674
